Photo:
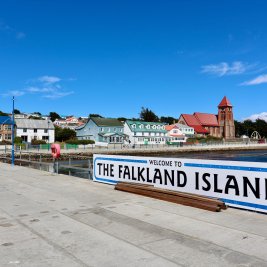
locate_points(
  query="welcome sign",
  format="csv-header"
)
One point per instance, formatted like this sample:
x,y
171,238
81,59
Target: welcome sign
x,y
238,184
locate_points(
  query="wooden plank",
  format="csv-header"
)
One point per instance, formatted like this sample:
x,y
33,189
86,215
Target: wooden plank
x,y
171,196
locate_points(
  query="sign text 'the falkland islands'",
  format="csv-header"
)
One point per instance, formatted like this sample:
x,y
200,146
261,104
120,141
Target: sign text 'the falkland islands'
x,y
239,184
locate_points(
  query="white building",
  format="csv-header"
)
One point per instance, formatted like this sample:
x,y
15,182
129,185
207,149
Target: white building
x,y
70,122
20,116
145,133
175,135
29,129
186,130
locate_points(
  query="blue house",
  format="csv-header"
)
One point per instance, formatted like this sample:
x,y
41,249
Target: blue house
x,y
101,130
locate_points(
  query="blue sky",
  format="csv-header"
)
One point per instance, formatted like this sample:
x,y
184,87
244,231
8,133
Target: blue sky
x,y
113,57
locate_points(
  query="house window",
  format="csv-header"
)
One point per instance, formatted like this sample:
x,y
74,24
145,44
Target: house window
x,y
8,136
133,126
45,131
35,130
24,130
102,129
24,138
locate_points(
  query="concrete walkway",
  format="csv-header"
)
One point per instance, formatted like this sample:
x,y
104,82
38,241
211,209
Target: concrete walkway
x,y
56,220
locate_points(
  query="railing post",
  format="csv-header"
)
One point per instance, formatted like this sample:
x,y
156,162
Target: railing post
x,y
89,170
40,161
57,166
69,165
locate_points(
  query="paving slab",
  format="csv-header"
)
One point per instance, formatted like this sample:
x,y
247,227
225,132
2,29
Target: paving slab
x,y
58,220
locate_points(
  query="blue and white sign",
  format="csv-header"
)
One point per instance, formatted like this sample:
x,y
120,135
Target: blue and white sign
x,y
238,184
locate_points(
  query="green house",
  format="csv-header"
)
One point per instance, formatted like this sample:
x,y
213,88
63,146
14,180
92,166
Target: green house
x,y
102,130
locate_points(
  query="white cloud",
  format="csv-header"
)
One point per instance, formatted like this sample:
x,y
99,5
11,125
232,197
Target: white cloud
x,y
8,29
254,117
49,79
40,89
224,68
45,86
258,80
15,93
56,95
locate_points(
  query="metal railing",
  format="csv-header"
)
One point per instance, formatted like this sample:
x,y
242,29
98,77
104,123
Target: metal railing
x,y
70,167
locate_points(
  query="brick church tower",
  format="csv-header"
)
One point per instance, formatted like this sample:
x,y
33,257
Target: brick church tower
x,y
226,119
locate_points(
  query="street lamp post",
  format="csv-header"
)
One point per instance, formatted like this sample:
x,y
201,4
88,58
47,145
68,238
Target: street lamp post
x,y
48,132
13,135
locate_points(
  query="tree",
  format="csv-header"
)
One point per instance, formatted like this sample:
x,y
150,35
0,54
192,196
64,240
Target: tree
x,y
35,118
65,134
121,119
95,115
53,116
168,120
3,113
16,111
148,115
247,127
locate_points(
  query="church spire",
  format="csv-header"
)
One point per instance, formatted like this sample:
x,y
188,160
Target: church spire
x,y
225,103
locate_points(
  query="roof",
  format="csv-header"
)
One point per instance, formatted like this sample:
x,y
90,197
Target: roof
x,y
145,126
192,121
34,124
206,119
110,134
200,130
6,120
225,103
180,125
170,127
102,122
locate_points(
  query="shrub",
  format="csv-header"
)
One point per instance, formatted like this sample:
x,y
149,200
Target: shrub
x,y
38,142
18,140
4,142
79,142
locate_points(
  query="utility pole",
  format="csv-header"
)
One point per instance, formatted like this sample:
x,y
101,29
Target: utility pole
x,y
13,135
